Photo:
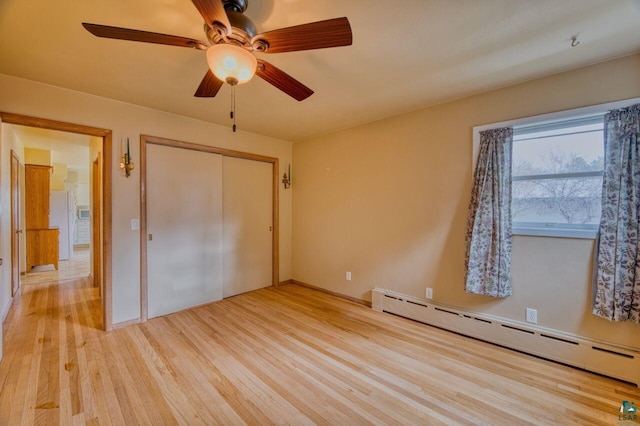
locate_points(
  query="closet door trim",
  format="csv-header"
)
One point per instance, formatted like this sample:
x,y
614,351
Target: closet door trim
x,y
146,139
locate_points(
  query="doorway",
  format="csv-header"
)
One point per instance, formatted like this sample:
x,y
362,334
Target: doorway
x,y
103,243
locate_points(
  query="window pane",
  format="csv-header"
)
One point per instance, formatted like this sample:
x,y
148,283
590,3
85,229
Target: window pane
x,y
567,200
568,150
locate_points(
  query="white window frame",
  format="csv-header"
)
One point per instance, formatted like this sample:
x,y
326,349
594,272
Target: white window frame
x,y
553,230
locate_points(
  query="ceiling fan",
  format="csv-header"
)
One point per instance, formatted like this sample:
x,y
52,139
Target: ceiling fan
x,y
233,38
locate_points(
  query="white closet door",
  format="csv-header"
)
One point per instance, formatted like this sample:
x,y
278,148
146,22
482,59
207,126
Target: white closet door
x,y
247,205
184,221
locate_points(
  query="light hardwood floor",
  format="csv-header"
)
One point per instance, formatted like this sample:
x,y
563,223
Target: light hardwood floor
x,y
287,355
76,267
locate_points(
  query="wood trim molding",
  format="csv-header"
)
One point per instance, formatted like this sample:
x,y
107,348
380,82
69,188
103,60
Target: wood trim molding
x,y
106,135
44,123
206,148
275,217
107,176
143,230
39,166
332,293
275,237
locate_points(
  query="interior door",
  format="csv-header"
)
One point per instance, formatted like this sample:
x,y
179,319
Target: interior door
x,y
15,223
248,224
184,226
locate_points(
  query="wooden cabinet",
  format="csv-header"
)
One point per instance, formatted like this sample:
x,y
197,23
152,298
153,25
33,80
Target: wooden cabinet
x,y
42,247
36,192
42,241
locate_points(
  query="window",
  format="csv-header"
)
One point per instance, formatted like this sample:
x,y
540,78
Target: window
x,y
557,170
557,177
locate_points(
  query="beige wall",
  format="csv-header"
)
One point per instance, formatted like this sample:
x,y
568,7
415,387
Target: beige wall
x,y
29,98
37,156
58,176
388,201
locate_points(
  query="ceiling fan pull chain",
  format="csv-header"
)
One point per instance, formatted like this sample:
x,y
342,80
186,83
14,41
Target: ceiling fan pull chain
x,y
231,113
233,107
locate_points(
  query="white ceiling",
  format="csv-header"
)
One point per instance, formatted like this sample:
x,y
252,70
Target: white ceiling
x,y
406,54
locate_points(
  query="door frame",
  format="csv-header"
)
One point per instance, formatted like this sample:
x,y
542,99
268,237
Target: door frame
x,y
15,223
275,236
106,135
96,220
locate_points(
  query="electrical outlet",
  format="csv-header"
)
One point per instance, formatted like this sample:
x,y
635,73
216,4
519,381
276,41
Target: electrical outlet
x,y
532,315
348,276
429,293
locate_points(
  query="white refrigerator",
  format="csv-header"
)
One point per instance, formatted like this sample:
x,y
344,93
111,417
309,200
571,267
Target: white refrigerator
x,y
62,209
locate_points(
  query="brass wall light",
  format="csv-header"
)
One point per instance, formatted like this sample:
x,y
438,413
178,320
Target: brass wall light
x,y
125,163
286,179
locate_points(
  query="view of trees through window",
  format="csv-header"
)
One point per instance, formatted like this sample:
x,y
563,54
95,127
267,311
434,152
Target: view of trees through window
x,y
557,176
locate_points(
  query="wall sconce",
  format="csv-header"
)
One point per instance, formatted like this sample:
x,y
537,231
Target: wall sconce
x,y
286,179
125,163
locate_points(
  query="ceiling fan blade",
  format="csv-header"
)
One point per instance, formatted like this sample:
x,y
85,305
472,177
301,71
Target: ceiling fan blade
x,y
315,35
209,86
106,31
283,81
213,11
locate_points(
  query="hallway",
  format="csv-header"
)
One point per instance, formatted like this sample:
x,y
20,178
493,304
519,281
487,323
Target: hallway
x,y
77,267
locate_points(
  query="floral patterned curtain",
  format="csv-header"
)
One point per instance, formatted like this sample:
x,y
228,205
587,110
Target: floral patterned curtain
x,y
488,258
617,284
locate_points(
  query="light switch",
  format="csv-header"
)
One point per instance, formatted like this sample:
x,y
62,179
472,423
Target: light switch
x,y
135,224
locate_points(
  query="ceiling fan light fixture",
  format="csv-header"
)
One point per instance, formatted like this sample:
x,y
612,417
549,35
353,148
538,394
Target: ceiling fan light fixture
x,y
231,63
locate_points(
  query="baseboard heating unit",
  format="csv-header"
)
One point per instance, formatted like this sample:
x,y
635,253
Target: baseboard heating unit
x,y
604,358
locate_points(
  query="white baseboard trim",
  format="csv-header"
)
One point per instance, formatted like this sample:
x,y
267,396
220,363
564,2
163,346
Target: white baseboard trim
x,y
611,360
